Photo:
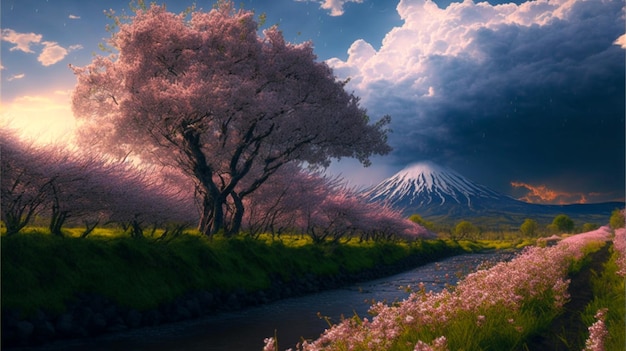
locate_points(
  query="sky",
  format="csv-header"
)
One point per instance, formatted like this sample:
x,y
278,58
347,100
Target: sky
x,y
527,98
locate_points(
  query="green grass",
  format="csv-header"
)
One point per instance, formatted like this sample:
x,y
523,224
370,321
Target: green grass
x,y
609,292
41,271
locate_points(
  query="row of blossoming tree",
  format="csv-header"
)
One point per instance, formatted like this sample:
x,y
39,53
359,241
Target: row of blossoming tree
x,y
71,188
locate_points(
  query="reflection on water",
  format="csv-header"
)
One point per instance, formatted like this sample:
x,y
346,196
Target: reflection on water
x,y
291,319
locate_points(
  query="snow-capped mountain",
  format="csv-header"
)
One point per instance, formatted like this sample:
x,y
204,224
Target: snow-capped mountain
x,y
434,191
427,184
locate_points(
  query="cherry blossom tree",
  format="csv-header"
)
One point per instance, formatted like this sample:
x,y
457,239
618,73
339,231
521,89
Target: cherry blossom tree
x,y
205,93
140,198
23,181
323,208
67,186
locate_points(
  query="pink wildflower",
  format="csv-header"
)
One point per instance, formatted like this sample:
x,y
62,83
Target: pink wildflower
x,y
597,333
439,344
619,242
480,320
270,344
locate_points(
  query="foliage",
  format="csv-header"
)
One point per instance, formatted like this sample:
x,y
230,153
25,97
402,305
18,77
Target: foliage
x,y
202,92
465,230
587,227
617,219
421,221
529,227
42,271
563,223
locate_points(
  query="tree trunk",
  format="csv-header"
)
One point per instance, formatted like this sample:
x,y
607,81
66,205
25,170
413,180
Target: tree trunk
x,y
89,228
212,217
14,224
57,221
238,215
136,230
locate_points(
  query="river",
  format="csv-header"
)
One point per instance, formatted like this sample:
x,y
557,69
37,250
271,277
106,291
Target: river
x,y
291,319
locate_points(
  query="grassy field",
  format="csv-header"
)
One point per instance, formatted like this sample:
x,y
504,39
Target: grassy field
x,y
41,271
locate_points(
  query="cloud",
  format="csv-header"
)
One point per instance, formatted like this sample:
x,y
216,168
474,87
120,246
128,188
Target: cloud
x,y
71,16
51,53
544,195
16,76
335,6
22,41
499,92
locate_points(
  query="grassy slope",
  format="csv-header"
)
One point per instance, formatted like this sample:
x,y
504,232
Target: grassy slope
x,y
609,292
42,271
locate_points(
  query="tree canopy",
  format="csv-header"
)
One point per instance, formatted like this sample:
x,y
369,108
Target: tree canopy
x,y
563,223
205,93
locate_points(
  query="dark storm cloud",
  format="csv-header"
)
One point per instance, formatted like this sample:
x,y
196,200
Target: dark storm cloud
x,y
538,99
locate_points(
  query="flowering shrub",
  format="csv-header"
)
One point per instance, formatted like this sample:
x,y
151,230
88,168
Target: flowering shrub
x,y
496,307
619,243
597,333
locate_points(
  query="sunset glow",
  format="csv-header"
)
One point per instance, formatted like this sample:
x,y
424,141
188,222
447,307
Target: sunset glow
x,y
43,118
542,194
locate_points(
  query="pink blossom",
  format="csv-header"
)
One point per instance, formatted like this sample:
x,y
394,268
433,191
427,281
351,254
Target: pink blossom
x,y
597,333
536,274
619,242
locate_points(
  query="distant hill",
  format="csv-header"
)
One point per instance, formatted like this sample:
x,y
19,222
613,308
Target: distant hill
x,y
443,195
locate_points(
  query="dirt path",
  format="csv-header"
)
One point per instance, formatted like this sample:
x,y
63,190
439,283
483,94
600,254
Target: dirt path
x,y
567,330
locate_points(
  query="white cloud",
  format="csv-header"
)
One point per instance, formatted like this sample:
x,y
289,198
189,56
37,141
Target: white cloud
x,y
22,41
16,76
334,6
51,53
71,16
75,47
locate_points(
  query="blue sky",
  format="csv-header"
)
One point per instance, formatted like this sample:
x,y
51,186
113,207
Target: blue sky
x,y
526,92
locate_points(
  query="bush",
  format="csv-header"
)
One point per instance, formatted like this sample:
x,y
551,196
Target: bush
x,y
617,219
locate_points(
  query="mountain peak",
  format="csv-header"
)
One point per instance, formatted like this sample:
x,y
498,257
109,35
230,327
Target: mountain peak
x,y
424,184
418,169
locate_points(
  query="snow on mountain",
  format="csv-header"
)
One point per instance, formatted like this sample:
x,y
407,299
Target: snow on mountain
x,y
437,192
428,184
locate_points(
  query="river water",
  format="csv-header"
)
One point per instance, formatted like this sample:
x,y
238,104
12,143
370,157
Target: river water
x,y
290,319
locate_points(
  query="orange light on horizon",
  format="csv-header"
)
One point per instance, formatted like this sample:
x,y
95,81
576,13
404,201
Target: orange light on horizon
x,y
541,194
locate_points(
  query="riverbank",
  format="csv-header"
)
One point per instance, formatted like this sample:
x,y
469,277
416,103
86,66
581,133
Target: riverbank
x,y
54,288
498,308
